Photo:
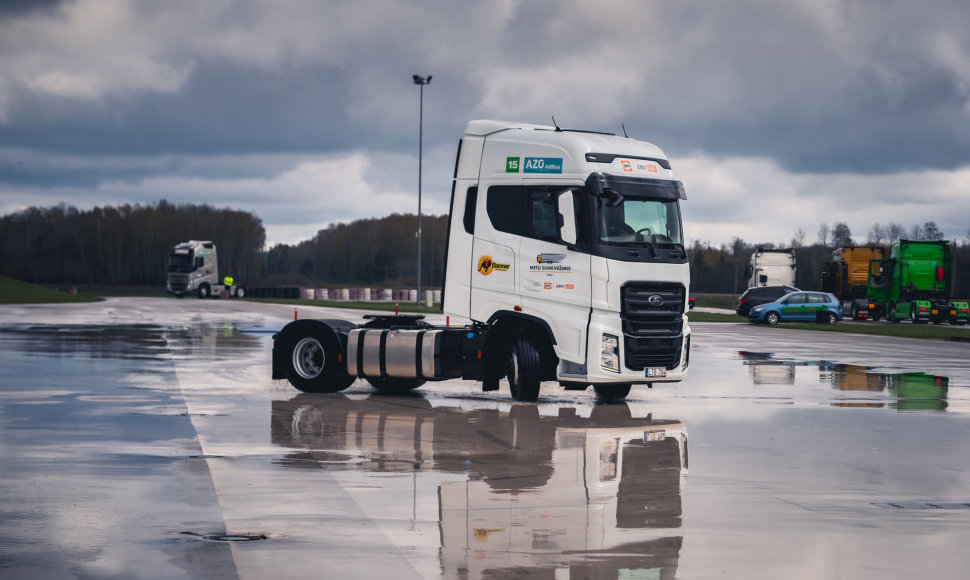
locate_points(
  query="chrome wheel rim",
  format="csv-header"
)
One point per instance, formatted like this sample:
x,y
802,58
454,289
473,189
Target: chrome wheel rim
x,y
309,358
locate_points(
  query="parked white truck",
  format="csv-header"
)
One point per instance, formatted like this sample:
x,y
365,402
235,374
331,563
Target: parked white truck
x,y
193,268
566,252
771,267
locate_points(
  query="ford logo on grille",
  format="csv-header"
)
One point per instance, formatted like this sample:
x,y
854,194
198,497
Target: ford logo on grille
x,y
655,299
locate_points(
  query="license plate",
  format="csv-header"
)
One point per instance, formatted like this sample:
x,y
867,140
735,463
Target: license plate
x,y
649,436
655,373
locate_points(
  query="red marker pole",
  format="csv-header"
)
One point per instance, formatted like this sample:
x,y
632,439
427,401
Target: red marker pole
x,y
294,313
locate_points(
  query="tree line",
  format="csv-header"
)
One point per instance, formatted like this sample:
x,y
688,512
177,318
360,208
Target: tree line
x,y
130,244
124,245
379,251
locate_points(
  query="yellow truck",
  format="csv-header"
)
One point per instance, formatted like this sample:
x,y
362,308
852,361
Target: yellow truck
x,y
847,277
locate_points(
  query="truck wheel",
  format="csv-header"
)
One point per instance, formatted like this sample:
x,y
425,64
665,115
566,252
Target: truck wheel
x,y
240,292
772,318
522,370
912,315
394,385
891,317
313,365
612,392
204,291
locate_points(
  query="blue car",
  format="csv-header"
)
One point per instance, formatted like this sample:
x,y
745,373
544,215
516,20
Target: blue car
x,y
798,307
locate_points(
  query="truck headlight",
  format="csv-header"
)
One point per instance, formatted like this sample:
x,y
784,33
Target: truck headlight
x,y
610,353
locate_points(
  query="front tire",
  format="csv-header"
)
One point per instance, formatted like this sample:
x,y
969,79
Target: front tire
x,y
313,364
891,317
204,291
772,319
523,371
394,385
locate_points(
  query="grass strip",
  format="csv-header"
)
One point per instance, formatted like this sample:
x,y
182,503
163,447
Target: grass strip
x,y
14,291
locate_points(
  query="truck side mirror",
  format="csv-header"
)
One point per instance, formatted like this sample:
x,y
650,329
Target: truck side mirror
x,y
567,217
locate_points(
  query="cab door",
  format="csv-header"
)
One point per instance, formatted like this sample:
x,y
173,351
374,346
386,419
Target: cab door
x,y
553,277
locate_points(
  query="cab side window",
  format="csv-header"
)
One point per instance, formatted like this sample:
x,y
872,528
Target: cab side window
x,y
525,211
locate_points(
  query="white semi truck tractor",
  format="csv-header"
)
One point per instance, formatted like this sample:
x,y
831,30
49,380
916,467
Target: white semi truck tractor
x,y
771,267
566,252
193,268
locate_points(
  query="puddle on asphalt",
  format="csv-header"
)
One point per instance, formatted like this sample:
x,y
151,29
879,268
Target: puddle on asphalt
x,y
516,489
860,386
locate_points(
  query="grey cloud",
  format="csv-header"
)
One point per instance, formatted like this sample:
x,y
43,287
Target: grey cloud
x,y
846,87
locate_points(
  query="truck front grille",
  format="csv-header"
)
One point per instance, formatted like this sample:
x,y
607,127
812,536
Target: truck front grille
x,y
178,282
653,324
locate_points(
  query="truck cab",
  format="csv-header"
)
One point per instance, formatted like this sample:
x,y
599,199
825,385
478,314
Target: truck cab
x,y
574,240
193,269
771,267
847,277
914,283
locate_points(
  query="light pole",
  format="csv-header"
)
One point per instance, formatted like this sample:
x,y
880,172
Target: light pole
x,y
420,81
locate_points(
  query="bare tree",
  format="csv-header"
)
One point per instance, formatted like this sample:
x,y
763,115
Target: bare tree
x,y
841,235
916,232
823,234
877,235
931,232
894,232
798,240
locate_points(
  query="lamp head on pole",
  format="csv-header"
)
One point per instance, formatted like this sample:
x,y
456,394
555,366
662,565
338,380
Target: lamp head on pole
x,y
420,80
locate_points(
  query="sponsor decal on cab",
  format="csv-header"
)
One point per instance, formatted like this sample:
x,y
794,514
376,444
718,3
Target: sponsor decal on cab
x,y
486,265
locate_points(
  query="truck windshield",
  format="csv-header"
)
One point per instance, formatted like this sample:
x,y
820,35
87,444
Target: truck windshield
x,y
180,261
639,222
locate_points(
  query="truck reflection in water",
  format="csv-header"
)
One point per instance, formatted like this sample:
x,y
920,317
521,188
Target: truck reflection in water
x,y
561,495
910,391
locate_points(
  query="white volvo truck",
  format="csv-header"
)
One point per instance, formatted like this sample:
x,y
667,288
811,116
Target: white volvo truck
x,y
566,252
193,268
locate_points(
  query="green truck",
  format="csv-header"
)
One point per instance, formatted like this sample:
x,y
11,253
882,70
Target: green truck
x,y
914,282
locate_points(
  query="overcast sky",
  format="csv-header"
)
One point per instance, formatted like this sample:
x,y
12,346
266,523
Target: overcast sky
x,y
777,115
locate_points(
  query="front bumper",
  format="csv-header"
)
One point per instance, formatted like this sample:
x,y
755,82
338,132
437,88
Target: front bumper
x,y
608,323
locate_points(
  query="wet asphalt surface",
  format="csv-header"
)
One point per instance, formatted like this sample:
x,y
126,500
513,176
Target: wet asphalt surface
x,y
143,438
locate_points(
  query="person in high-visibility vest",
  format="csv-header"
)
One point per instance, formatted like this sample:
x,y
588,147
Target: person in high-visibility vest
x,y
227,282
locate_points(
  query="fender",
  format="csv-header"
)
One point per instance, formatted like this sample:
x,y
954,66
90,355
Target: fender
x,y
505,323
282,347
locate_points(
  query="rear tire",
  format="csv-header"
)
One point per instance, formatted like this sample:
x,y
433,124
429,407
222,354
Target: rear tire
x,y
828,318
312,363
394,385
522,369
240,292
612,392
